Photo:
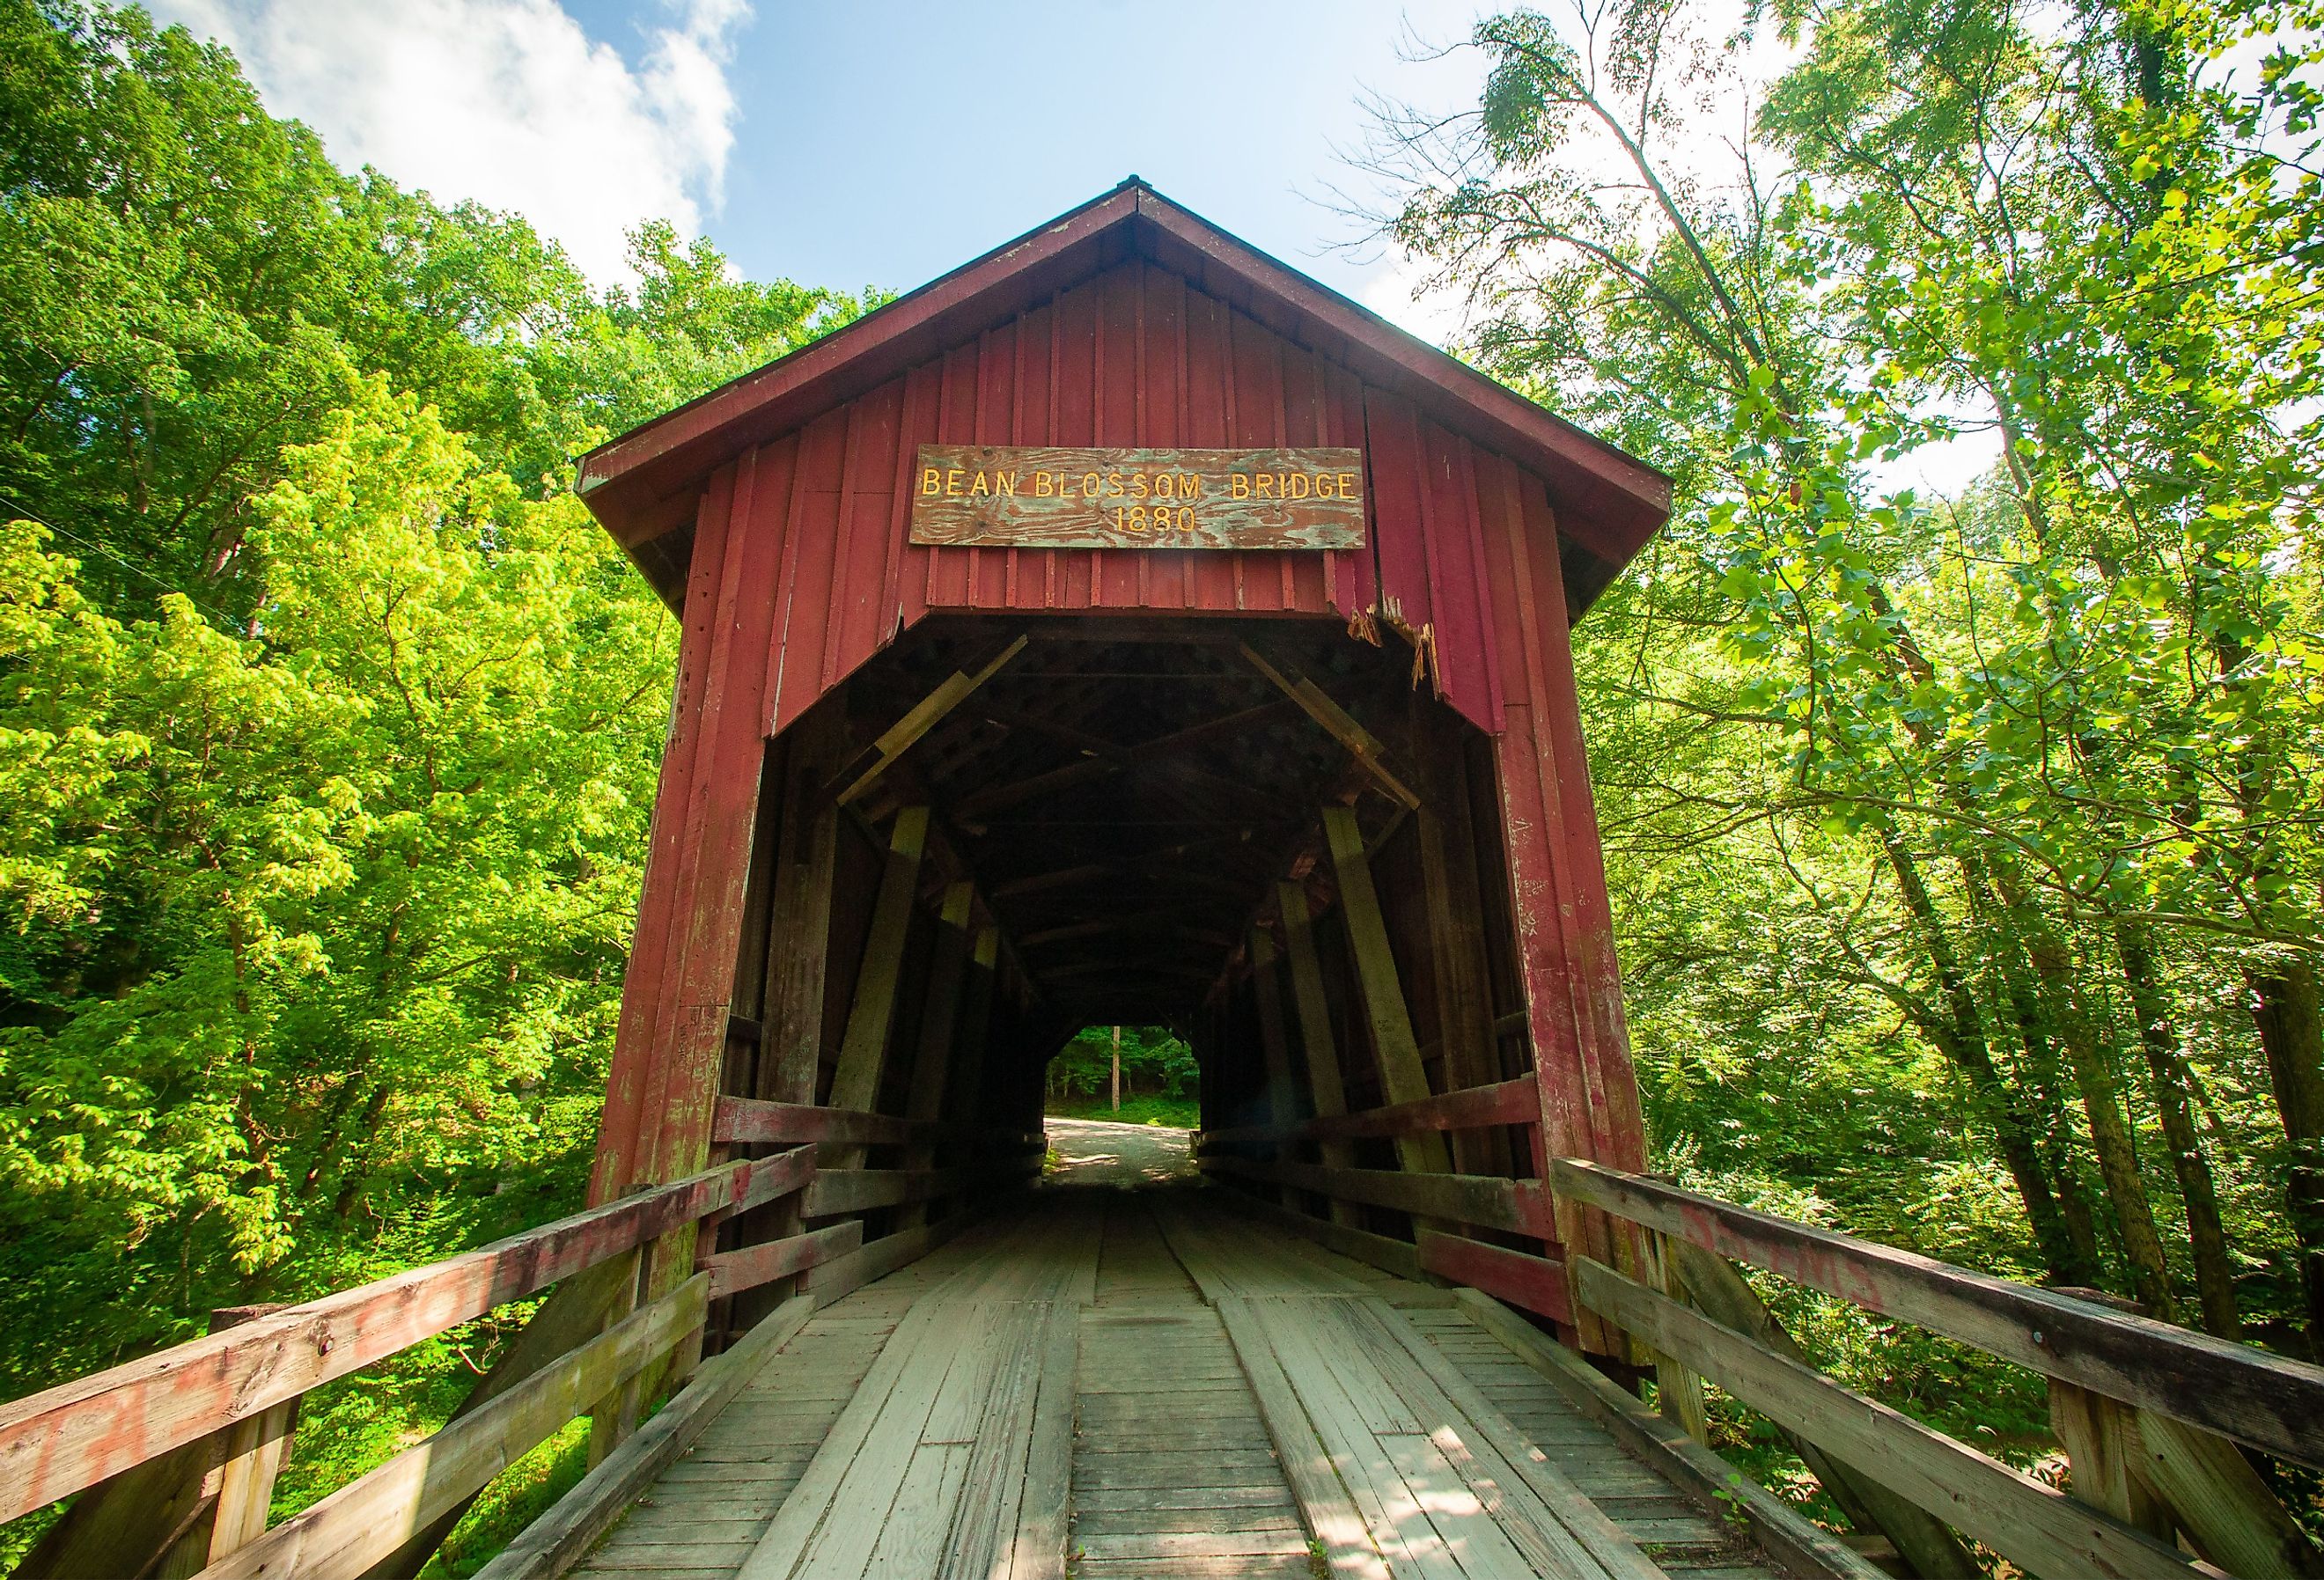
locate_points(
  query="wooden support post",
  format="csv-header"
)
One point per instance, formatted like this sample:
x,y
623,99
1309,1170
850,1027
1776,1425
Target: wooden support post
x,y
2103,1449
939,1027
1677,1389
1391,1022
863,1050
255,1450
1282,1102
1456,937
1326,1091
1282,1110
799,924
964,1093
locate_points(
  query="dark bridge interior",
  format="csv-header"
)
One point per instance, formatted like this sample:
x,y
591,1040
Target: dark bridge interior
x,y
1259,832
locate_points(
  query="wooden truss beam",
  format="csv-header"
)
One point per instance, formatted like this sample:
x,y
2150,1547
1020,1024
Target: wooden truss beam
x,y
926,714
1337,721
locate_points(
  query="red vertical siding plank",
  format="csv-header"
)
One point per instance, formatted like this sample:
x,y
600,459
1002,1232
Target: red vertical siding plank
x,y
947,577
1620,1128
851,591
877,508
996,400
1161,394
1213,574
1392,452
1308,585
1257,414
1461,621
1036,344
1073,416
721,827
908,588
1353,589
1116,573
811,559
652,938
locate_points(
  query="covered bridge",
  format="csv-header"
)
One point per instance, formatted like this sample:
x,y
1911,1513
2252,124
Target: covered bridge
x,y
1125,629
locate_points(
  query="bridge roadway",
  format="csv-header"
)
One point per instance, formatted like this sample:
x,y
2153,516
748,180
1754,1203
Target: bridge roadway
x,y
1156,1387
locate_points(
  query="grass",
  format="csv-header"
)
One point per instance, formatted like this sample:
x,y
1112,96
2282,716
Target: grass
x,y
1182,1112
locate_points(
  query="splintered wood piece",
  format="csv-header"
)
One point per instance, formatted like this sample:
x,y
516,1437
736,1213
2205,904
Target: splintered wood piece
x,y
924,716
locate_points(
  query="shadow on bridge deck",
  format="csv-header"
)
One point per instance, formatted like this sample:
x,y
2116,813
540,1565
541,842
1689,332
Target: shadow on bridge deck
x,y
1139,1383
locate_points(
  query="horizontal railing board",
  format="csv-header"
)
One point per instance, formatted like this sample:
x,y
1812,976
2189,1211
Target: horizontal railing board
x,y
1519,1205
1512,1102
2028,1522
59,1441
1713,1484
740,1120
749,1266
341,1537
2271,1403
560,1538
1534,1283
784,1174
1394,1256
858,1190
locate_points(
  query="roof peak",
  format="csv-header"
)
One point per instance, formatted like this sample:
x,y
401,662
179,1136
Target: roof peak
x,y
642,483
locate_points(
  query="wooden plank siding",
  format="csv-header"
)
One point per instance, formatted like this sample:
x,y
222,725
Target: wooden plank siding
x,y
802,569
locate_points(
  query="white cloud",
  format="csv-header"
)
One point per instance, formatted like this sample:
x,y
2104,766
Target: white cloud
x,y
507,102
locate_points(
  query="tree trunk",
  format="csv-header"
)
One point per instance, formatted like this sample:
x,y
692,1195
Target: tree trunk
x,y
2012,1128
2284,1008
2110,1138
2166,1069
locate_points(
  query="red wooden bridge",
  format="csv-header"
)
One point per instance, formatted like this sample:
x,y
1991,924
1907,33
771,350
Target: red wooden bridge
x,y
929,810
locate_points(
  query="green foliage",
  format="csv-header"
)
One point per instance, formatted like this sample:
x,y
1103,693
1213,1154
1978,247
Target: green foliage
x,y
329,721
1155,1061
1965,850
1173,1112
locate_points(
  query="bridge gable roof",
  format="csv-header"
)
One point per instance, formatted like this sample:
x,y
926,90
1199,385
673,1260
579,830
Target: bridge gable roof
x,y
645,486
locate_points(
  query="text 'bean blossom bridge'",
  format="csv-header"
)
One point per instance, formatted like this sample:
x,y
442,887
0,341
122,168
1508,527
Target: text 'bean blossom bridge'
x,y
1125,629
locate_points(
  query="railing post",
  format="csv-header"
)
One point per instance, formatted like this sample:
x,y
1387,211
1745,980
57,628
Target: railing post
x,y
1677,1386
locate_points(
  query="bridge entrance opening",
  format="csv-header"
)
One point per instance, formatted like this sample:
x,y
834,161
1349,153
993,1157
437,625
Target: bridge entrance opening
x,y
1259,839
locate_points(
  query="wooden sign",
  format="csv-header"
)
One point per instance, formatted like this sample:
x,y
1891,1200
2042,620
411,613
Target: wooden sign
x,y
1049,498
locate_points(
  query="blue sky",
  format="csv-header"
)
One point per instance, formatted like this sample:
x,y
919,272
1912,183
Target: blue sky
x,y
852,144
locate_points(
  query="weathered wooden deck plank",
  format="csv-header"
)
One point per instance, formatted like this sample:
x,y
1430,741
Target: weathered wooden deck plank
x,y
1081,1364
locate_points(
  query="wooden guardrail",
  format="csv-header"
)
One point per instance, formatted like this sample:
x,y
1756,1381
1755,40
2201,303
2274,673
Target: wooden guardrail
x,y
1520,1206
2148,1412
174,1456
